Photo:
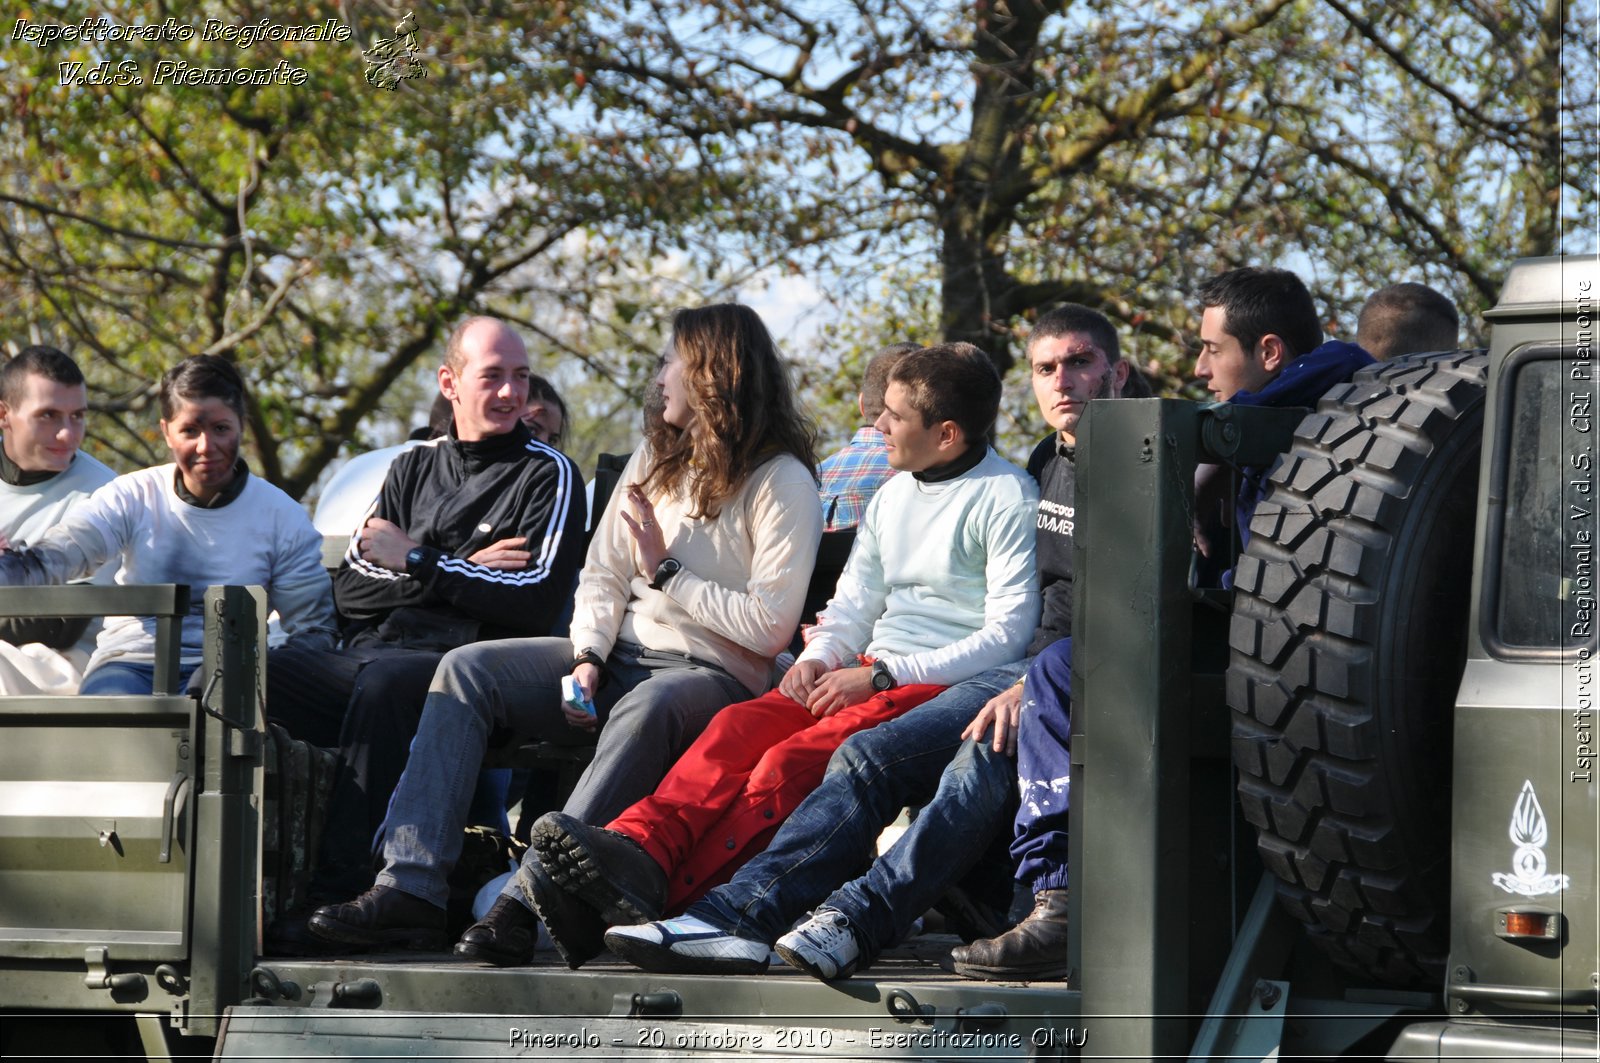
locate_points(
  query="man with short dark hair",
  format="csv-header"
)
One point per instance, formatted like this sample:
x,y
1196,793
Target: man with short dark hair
x,y
1259,345
952,756
44,404
848,478
941,586
475,535
1254,323
1407,318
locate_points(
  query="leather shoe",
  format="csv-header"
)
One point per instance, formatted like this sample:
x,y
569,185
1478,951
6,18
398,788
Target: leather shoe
x,y
383,917
576,928
1033,950
505,936
608,871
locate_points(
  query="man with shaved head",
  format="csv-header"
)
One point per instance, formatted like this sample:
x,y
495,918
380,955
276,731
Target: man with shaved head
x,y
1407,318
475,535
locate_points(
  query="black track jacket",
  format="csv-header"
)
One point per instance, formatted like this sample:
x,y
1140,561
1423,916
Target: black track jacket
x,y
455,498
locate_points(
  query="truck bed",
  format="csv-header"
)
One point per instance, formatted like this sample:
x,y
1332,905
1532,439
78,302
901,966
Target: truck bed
x,y
905,1006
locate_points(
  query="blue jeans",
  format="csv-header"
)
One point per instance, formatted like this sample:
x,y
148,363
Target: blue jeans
x,y
1044,771
130,677
654,705
365,701
918,758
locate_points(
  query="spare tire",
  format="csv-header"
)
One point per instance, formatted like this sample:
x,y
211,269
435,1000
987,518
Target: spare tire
x,y
1347,644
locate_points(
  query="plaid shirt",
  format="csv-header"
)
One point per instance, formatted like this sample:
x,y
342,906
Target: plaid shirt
x,y
851,477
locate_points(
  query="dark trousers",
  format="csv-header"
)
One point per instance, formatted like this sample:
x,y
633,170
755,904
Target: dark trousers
x,y
1044,767
366,702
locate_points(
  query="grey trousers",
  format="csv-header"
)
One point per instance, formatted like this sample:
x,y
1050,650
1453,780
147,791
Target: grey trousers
x,y
653,706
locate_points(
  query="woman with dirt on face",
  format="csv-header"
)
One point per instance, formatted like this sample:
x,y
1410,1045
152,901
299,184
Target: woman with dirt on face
x,y
693,584
202,520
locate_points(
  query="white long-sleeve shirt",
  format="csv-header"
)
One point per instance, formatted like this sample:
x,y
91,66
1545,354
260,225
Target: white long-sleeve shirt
x,y
26,513
942,582
262,537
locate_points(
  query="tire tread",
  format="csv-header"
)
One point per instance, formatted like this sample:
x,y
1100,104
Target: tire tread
x,y
1314,724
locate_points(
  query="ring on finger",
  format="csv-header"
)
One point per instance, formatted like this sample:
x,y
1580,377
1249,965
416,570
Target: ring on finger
x,y
647,524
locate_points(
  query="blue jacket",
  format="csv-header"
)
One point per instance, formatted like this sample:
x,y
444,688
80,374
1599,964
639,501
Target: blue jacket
x,y
1302,383
1307,378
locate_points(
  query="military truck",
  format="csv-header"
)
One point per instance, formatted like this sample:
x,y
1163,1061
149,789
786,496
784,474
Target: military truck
x,y
1343,807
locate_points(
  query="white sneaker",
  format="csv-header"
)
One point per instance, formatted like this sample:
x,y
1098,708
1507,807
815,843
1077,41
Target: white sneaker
x,y
687,945
823,946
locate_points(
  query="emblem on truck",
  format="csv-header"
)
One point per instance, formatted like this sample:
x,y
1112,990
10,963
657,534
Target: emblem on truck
x,y
1529,832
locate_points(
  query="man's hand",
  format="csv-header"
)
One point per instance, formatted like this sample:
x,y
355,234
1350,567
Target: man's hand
x,y
801,679
384,544
1003,711
588,677
840,689
505,554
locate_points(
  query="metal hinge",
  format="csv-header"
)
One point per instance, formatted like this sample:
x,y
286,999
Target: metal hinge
x,y
97,958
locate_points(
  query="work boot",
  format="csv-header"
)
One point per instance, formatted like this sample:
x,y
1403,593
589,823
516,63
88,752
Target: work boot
x,y
505,936
383,917
608,871
1033,950
576,928
288,935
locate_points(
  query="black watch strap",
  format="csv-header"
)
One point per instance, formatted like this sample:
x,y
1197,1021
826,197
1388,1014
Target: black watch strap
x,y
882,679
669,567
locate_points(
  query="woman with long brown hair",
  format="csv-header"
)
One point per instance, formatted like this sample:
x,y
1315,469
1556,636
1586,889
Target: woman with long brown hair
x,y
693,584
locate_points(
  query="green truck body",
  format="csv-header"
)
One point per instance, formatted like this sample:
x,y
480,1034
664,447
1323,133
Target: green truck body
x,y
1347,807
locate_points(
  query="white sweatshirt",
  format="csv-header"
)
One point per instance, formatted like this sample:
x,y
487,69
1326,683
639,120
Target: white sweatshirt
x,y
263,537
941,583
26,512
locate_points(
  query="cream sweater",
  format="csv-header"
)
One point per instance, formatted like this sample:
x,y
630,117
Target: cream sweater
x,y
737,601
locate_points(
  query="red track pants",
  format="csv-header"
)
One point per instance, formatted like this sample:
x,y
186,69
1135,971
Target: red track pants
x,y
730,791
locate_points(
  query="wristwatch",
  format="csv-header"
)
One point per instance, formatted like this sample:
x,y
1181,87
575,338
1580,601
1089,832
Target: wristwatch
x,y
414,558
669,567
589,655
881,679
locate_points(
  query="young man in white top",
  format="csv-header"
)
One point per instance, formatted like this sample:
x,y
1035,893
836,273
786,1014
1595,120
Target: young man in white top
x,y
941,586
44,406
954,757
